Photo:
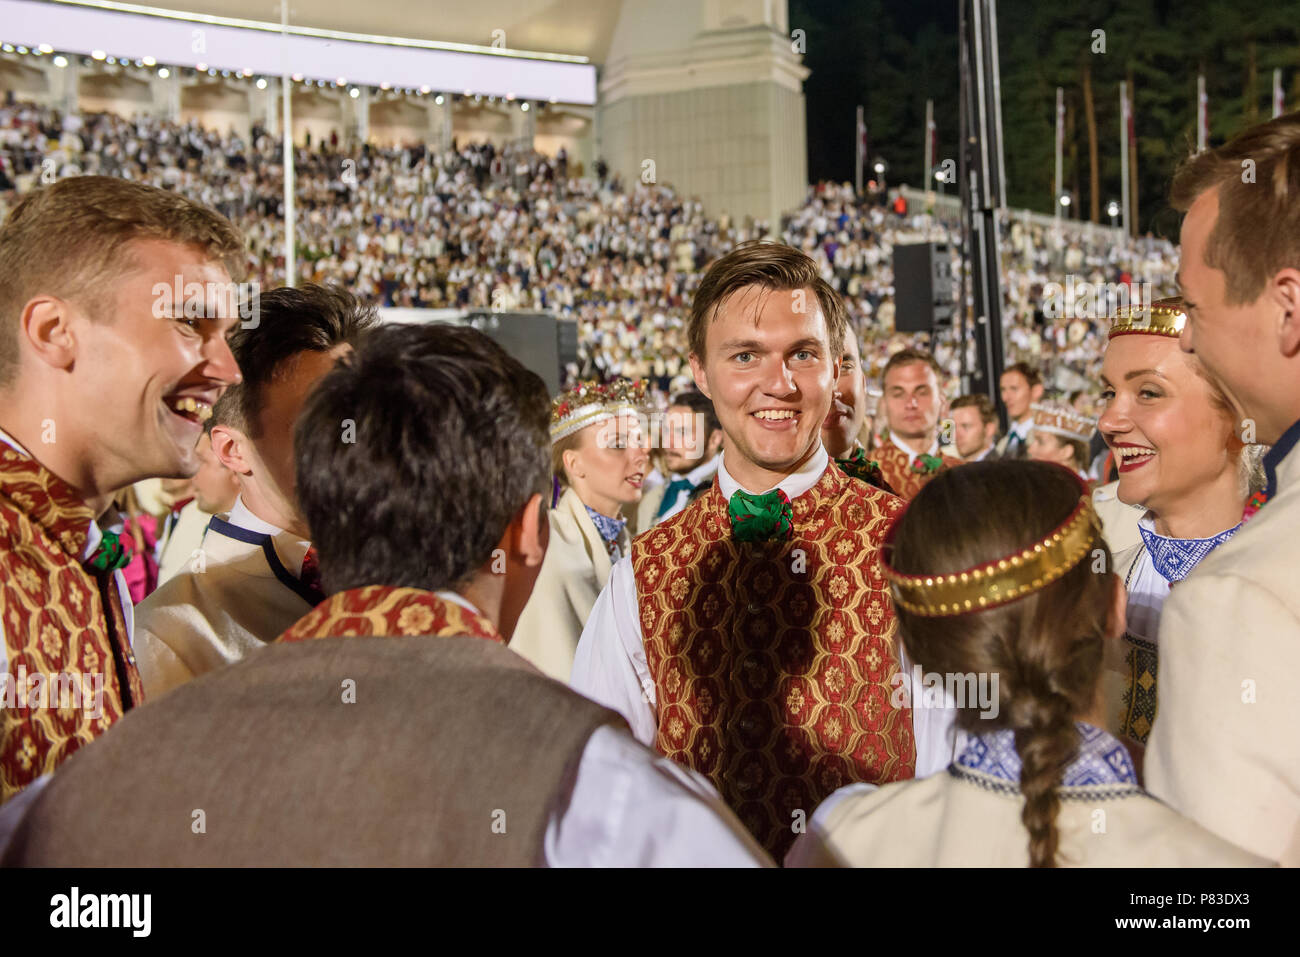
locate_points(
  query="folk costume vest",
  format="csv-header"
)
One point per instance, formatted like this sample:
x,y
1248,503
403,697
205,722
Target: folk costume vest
x,y
335,751
906,474
773,661
63,627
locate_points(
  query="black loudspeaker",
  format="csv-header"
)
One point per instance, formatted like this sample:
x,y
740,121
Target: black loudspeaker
x,y
923,287
541,342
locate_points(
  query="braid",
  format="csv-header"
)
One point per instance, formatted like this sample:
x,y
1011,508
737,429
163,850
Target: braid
x,y
1046,741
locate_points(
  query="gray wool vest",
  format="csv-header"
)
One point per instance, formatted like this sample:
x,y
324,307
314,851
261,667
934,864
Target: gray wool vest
x,y
329,752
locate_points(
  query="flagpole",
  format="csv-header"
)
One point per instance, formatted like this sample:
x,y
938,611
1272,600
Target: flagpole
x,y
859,147
1123,152
290,241
1060,154
1202,120
929,145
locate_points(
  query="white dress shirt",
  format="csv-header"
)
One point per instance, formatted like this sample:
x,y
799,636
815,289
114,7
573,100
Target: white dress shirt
x,y
610,666
632,808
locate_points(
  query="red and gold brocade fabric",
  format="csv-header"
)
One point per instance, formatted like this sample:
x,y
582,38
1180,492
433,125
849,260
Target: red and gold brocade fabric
x,y
905,474
60,621
389,612
772,660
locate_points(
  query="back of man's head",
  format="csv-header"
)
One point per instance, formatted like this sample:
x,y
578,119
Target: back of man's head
x,y
287,322
416,453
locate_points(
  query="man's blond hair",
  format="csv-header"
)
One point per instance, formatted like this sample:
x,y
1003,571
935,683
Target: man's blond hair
x,y
63,239
1257,233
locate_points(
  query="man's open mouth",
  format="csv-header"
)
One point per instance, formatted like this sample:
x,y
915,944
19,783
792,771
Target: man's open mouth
x,y
189,407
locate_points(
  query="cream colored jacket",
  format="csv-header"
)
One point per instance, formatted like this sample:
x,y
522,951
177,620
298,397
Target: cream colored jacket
x,y
1225,748
969,819
573,573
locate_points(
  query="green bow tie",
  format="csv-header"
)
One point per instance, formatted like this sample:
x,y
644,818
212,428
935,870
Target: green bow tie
x,y
760,518
110,555
927,464
858,466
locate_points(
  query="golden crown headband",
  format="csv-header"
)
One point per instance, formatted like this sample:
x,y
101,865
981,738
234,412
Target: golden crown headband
x,y
1166,318
1002,580
590,402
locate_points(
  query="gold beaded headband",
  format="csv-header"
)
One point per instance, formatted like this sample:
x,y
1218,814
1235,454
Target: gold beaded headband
x,y
1164,317
1002,580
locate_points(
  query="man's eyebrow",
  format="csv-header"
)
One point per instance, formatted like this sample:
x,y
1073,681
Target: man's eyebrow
x,y
751,345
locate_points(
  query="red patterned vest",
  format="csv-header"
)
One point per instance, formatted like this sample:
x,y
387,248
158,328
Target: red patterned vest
x,y
772,660
64,632
381,610
906,474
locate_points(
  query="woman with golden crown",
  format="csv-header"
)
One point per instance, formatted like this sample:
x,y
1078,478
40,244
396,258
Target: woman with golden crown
x,y
1174,437
599,457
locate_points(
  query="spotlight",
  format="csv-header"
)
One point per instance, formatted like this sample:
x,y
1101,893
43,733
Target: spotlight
x,y
94,54
524,106
261,83
112,61
7,47
439,99
22,50
45,48
424,91
1065,200
60,61
354,93
164,73
149,61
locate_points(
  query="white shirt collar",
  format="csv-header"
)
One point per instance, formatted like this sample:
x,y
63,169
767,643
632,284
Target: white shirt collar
x,y
794,484
908,451
1023,429
458,599
291,549
704,470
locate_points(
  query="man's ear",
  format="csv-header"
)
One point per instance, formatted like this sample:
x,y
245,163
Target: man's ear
x,y
45,325
714,443
1036,393
230,445
701,377
530,532
1286,292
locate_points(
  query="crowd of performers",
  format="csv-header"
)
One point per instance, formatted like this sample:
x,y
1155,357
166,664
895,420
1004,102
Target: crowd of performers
x,y
789,619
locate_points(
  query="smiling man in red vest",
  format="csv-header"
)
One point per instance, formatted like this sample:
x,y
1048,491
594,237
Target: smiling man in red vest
x,y
751,637
103,382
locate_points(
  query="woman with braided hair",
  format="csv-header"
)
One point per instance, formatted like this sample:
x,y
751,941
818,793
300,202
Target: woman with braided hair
x,y
1005,602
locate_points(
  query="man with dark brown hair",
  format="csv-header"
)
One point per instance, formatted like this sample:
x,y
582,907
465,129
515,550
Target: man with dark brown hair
x,y
975,426
1020,386
252,576
913,400
1224,750
105,376
750,636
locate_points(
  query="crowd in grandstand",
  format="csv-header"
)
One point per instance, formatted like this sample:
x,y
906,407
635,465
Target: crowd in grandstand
x,y
507,230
